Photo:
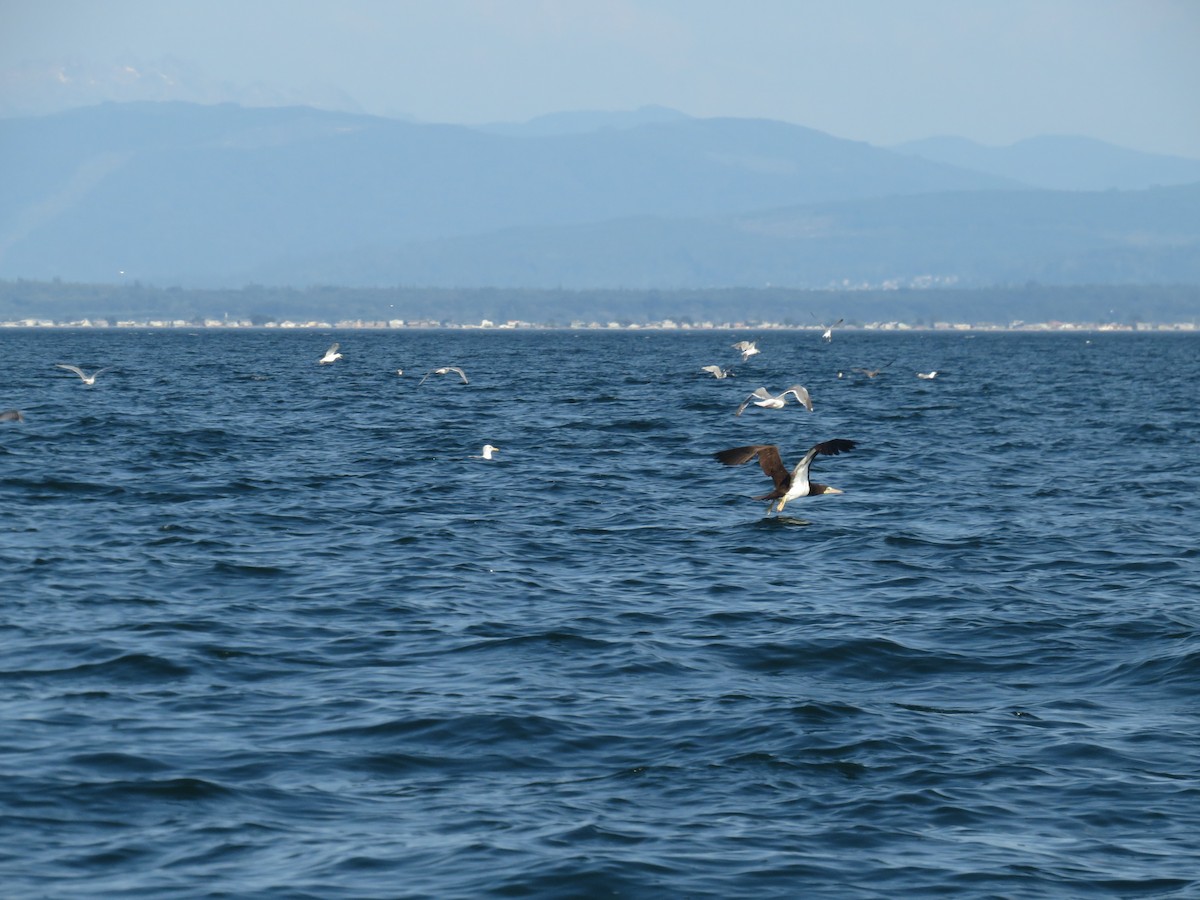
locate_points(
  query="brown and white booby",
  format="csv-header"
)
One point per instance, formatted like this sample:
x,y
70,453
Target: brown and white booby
x,y
788,485
762,397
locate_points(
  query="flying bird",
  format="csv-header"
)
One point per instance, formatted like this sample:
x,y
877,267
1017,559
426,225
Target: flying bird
x,y
748,349
717,371
928,376
828,335
871,373
84,376
444,370
788,485
762,397
11,415
331,355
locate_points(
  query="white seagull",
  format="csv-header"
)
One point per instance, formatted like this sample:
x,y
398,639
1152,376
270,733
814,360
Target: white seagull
x,y
928,376
717,371
488,450
828,335
747,347
331,355
444,370
762,397
84,376
788,485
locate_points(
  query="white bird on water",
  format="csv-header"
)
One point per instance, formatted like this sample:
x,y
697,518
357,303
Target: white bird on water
x,y
748,349
331,355
716,371
762,397
488,450
928,376
84,376
445,370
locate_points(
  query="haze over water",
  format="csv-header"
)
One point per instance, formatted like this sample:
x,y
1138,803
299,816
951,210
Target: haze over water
x,y
270,631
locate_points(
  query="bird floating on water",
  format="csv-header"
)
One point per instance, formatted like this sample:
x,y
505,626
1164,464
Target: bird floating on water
x,y
12,415
788,485
748,349
331,355
445,370
928,376
762,397
828,335
84,376
717,371
487,452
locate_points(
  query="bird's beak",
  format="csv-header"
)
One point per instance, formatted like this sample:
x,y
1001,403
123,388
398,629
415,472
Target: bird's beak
x,y
833,490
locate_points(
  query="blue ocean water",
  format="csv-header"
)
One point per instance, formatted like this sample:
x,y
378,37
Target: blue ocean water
x,y
269,630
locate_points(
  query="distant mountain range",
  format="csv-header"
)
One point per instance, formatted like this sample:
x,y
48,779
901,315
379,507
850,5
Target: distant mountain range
x,y
174,193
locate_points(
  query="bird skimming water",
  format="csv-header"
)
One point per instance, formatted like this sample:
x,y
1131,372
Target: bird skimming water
x,y
762,397
331,355
84,376
788,485
444,370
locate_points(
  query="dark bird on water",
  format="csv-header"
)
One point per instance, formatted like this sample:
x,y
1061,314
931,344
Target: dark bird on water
x,y
871,373
788,485
12,415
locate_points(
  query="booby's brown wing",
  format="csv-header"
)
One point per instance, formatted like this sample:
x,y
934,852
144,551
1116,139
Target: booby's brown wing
x,y
768,458
833,447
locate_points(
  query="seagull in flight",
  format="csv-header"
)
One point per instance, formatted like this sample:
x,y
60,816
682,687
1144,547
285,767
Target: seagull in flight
x,y
748,349
84,376
788,485
331,355
445,370
717,371
762,397
828,335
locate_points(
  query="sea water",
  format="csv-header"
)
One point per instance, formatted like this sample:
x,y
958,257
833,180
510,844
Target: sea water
x,y
270,629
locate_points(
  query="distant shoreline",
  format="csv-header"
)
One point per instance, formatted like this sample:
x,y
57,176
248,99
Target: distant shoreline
x,y
890,327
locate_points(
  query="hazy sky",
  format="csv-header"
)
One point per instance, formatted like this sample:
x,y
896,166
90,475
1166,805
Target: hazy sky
x,y
883,71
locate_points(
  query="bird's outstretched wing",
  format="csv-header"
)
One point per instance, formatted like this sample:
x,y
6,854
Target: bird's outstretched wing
x,y
801,394
759,394
826,448
768,458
